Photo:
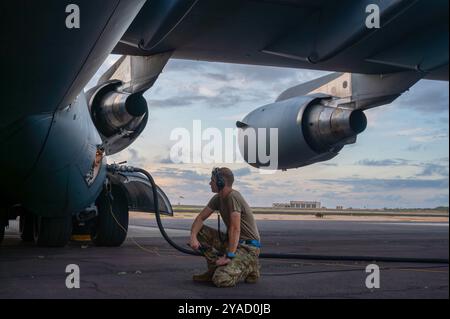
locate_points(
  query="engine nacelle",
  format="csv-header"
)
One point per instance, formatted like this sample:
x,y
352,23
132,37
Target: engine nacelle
x,y
309,129
118,116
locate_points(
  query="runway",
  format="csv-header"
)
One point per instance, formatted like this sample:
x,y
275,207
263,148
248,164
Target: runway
x,y
147,267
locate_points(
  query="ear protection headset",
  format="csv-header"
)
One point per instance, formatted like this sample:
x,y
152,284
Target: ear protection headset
x,y
220,181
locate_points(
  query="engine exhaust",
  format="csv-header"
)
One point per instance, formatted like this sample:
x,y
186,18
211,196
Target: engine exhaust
x,y
326,127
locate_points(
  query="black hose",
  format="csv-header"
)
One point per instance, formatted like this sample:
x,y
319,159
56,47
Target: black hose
x,y
158,216
359,258
285,256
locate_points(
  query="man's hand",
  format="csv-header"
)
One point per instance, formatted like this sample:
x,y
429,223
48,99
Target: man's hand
x,y
222,261
194,243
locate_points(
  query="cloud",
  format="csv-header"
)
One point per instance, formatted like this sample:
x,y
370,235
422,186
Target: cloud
x,y
218,76
135,159
328,164
386,185
225,96
412,131
131,156
227,71
192,83
242,172
438,200
426,96
226,92
430,169
427,168
387,198
431,137
423,135
415,148
233,117
165,160
176,101
272,184
182,174
385,162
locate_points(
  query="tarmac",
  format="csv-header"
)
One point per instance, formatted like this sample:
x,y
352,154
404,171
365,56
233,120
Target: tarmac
x,y
145,266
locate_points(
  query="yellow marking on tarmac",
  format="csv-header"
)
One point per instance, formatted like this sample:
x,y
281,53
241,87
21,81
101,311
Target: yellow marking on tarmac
x,y
81,238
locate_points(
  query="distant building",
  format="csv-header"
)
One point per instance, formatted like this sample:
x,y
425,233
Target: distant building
x,y
339,207
281,205
298,204
304,204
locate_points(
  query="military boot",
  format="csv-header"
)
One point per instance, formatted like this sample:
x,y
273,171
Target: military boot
x,y
206,276
253,277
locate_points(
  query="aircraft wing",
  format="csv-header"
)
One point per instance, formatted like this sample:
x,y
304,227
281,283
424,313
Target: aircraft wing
x,y
313,34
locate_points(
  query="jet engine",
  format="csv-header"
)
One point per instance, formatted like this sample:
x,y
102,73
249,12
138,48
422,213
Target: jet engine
x,y
307,129
119,116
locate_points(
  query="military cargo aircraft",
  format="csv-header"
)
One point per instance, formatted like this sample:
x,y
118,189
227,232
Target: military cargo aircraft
x,y
55,138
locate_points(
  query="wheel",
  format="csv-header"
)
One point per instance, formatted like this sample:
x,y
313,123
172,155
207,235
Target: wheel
x,y
26,228
3,221
111,226
2,233
52,232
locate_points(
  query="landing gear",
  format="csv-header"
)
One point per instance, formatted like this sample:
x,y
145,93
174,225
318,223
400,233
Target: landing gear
x,y
3,222
2,232
52,232
26,228
111,226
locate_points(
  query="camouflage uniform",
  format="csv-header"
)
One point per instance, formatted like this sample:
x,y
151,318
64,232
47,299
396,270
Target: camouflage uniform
x,y
245,266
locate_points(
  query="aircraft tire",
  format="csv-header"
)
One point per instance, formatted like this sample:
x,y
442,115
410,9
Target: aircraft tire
x,y
26,227
3,223
2,233
111,226
52,232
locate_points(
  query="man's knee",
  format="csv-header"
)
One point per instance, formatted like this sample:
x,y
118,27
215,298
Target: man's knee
x,y
205,235
209,237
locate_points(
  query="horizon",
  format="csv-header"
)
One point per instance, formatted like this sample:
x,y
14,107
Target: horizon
x,y
331,208
400,160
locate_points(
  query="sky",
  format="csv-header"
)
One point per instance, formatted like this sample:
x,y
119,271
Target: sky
x,y
400,161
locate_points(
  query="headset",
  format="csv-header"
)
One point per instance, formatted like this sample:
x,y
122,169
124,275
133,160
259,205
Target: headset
x,y
220,181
